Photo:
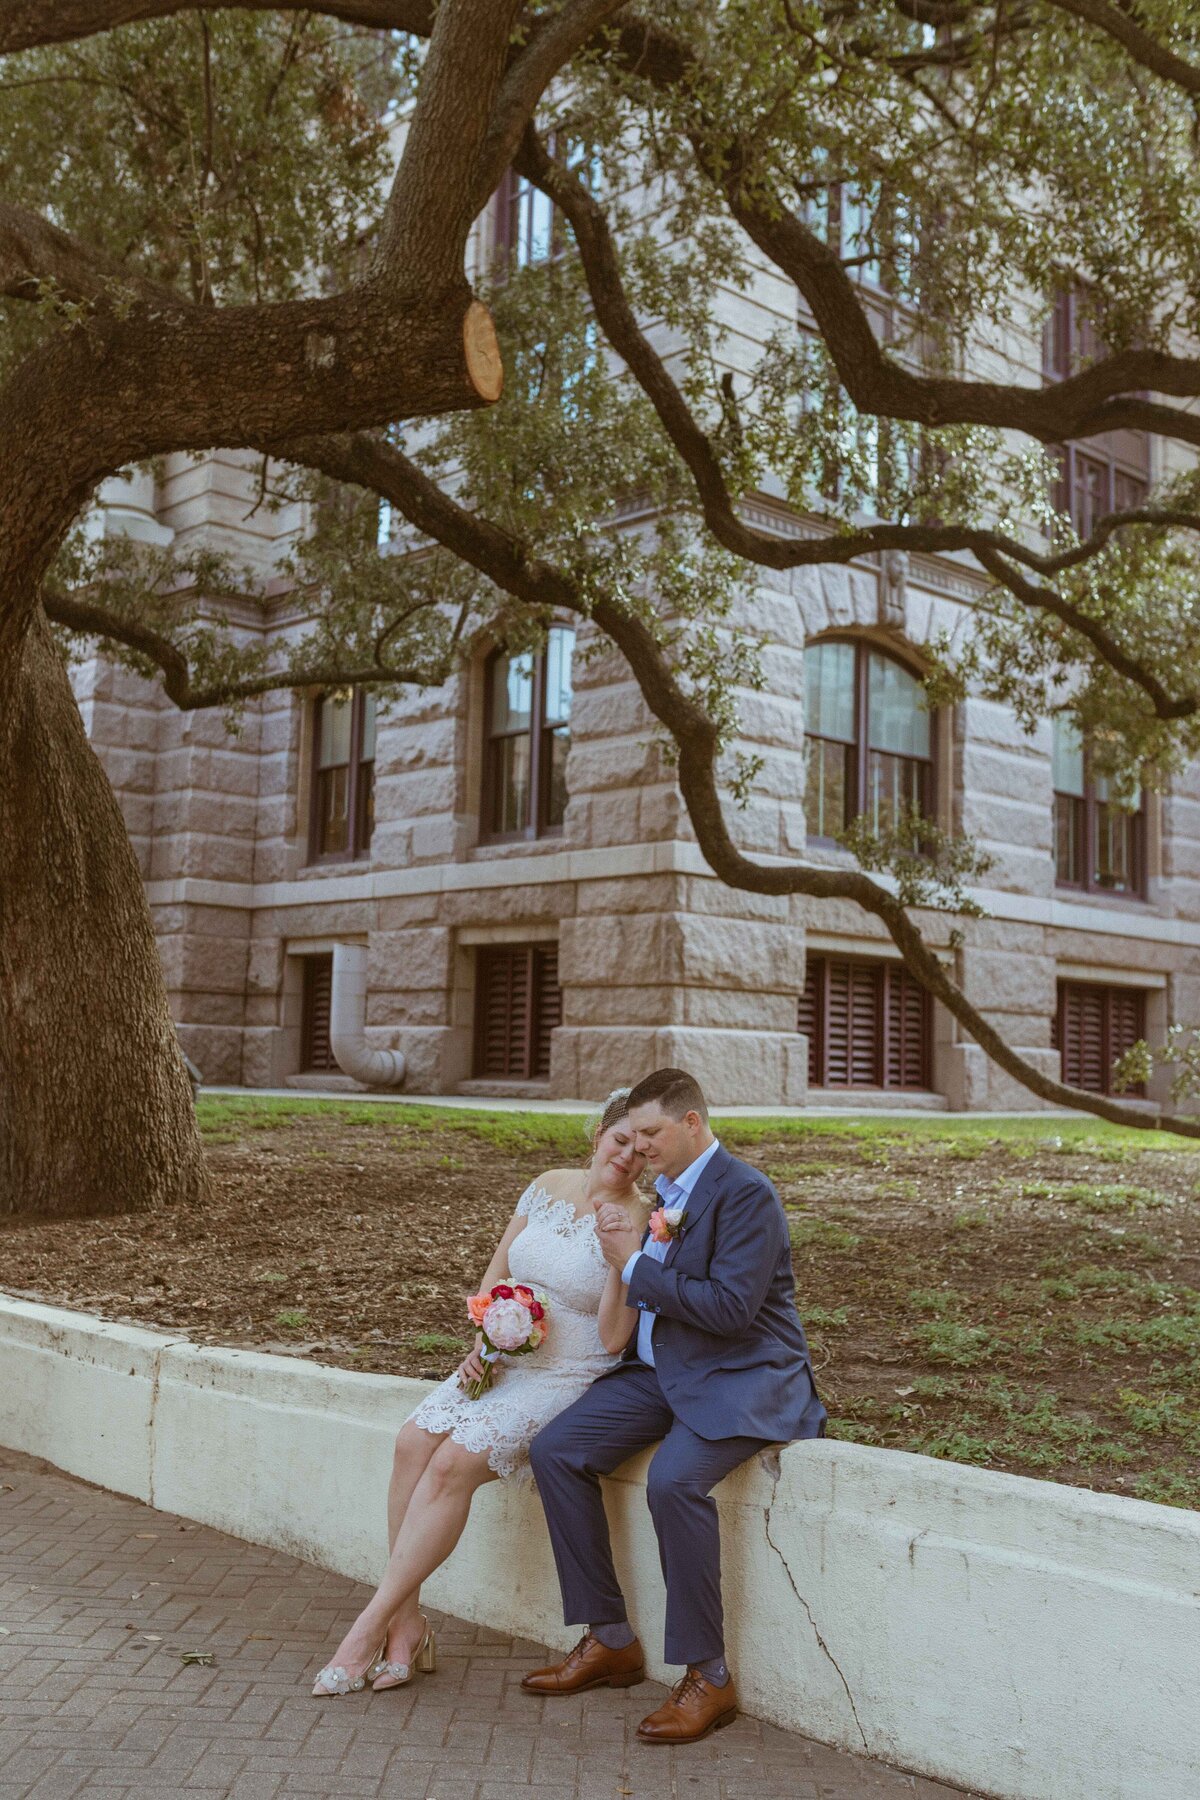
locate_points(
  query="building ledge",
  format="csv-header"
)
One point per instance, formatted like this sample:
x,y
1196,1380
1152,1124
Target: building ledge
x,y
855,1100
491,1089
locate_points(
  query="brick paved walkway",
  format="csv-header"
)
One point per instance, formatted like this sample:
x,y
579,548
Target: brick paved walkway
x,y
100,1597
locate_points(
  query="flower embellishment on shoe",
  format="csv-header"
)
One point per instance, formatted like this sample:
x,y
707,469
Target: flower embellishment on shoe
x,y
665,1223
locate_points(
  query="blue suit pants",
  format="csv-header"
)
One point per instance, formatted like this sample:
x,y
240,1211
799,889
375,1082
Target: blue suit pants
x,y
620,1414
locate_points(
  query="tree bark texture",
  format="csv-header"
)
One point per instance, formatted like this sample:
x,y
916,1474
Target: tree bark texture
x,y
96,1111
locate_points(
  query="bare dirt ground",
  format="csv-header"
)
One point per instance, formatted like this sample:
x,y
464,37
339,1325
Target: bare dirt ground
x,y
1024,1295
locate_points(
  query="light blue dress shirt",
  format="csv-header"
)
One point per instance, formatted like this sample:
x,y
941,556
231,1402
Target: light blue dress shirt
x,y
670,1193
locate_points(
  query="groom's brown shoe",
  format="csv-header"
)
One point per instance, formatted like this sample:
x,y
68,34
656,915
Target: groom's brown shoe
x,y
590,1664
693,1708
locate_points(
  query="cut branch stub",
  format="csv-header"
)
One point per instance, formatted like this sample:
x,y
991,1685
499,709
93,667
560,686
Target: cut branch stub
x,y
485,365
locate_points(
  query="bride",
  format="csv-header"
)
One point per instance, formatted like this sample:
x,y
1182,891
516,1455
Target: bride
x,y
451,1445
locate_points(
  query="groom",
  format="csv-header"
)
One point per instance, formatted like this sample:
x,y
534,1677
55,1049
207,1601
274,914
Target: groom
x,y
718,1368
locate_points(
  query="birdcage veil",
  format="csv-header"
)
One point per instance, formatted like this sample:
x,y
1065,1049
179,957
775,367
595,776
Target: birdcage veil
x,y
608,1112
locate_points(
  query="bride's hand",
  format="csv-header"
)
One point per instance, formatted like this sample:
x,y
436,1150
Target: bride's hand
x,y
471,1367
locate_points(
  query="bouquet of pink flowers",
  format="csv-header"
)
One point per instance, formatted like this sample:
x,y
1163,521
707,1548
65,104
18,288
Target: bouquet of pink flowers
x,y
511,1320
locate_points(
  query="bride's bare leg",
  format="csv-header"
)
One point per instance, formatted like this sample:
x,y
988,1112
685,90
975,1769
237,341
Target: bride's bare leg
x,y
432,1525
414,1448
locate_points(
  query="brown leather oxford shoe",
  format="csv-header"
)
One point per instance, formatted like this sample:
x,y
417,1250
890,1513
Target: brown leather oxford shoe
x,y
693,1708
589,1665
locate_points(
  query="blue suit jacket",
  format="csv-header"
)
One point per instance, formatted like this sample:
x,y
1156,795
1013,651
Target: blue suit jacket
x,y
729,1348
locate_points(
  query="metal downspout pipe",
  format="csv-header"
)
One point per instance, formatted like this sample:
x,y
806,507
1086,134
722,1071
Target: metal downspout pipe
x,y
347,1023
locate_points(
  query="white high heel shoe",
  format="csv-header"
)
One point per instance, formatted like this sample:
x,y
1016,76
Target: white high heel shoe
x,y
385,1675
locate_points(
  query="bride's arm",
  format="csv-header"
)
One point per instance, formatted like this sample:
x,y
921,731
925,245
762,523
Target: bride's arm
x,y
617,1321
471,1368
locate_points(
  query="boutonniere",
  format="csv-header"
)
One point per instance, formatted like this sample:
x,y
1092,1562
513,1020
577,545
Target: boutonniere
x,y
665,1223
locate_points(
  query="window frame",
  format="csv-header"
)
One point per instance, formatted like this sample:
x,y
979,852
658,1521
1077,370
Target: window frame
x,y
860,747
543,1008
1107,993
358,789
1069,342
513,188
536,823
885,975
1088,804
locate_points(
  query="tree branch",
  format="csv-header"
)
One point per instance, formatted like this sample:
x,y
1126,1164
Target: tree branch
x,y
480,543
34,253
992,549
434,198
1102,397
95,621
1106,646
27,24
1120,24
552,43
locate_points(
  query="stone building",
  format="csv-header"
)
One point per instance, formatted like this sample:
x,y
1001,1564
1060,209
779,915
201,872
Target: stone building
x,y
512,854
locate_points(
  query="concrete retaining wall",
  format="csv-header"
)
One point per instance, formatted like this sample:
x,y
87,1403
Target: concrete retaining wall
x,y
1013,1636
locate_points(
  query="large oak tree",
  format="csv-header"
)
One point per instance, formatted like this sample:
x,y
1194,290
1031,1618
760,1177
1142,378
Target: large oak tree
x,y
210,256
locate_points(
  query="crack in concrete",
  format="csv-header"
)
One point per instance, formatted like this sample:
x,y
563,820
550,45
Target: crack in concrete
x,y
155,1379
825,1650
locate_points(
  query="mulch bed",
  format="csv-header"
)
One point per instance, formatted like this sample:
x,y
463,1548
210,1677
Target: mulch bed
x,y
1027,1299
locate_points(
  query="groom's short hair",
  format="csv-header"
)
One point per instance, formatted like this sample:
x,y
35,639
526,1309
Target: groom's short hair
x,y
676,1091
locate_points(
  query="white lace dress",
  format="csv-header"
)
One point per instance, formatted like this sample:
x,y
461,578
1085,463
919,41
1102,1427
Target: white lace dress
x,y
561,1254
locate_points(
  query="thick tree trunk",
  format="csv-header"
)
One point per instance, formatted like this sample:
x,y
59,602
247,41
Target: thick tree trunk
x,y
96,1111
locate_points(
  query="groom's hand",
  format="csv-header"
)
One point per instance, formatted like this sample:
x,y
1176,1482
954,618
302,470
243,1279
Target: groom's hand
x,y
618,1237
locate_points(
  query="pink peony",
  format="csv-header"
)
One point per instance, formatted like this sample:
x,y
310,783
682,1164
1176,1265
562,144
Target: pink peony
x,y
507,1324
659,1229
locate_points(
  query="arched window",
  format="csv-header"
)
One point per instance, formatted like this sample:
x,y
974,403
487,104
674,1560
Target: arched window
x,y
1097,844
869,739
527,736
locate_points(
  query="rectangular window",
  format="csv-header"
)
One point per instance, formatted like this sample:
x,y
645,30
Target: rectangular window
x,y
518,1004
1094,1026
1107,473
1098,845
316,1053
528,738
343,802
868,1025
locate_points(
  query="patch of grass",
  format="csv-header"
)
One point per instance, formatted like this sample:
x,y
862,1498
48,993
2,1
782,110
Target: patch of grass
x,y
438,1343
934,1387
957,1445
1169,1487
807,1232
1166,1415
1109,1197
1177,1332
904,1189
969,1221
271,1275
938,1301
822,1318
292,1318
962,1346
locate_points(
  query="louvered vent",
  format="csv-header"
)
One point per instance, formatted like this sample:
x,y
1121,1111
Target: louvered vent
x,y
316,1052
867,1024
518,1003
1094,1026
